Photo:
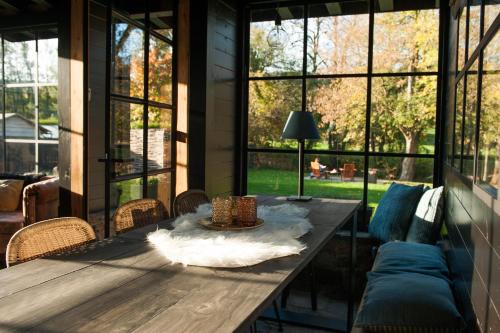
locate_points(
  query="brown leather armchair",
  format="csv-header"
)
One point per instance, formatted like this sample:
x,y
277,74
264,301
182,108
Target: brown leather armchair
x,y
40,201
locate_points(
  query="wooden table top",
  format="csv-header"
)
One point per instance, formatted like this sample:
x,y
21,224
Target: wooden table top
x,y
123,284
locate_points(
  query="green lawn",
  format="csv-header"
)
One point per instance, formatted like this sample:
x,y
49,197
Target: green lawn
x,y
278,182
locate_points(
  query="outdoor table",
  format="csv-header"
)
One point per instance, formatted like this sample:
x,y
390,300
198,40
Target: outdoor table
x,y
123,284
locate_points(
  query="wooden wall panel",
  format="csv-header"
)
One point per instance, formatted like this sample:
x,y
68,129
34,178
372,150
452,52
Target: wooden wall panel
x,y
475,260
183,58
72,96
473,223
96,115
221,97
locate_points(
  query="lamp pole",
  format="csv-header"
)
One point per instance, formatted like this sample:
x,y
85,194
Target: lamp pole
x,y
301,167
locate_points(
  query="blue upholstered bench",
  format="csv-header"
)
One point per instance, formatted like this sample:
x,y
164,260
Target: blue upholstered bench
x,y
409,290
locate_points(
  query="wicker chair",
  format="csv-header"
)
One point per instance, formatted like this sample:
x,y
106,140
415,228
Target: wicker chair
x,y
47,238
188,201
138,213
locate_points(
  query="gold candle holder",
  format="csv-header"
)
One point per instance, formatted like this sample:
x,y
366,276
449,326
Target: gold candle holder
x,y
247,210
221,211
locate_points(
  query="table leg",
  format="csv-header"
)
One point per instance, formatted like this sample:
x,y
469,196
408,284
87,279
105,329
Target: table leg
x,y
316,321
352,272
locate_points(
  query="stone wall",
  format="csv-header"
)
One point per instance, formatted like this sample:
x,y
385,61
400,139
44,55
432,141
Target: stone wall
x,y
158,148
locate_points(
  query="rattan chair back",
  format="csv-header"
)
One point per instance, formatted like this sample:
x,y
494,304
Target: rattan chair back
x,y
47,238
138,213
188,201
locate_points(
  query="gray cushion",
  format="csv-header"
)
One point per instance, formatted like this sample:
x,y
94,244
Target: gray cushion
x,y
402,257
428,218
408,302
394,212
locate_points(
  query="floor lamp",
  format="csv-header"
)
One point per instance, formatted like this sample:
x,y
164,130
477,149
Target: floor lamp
x,y
300,126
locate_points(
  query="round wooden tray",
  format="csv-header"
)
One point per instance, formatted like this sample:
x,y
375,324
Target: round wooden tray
x,y
235,226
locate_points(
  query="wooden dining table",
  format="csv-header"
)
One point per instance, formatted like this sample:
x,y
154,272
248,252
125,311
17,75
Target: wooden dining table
x,y
123,284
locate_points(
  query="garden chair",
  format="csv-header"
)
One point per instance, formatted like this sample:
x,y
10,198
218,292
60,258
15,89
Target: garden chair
x,y
187,202
138,213
316,171
348,171
48,237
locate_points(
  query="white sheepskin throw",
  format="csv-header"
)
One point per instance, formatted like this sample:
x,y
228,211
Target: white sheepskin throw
x,y
190,244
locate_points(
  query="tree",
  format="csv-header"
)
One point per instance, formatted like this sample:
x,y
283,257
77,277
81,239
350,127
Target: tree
x,y
407,41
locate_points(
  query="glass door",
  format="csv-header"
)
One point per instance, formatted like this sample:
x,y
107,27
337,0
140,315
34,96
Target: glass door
x,y
141,112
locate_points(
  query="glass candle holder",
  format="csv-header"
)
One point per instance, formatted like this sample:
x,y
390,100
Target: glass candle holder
x,y
234,206
221,211
247,210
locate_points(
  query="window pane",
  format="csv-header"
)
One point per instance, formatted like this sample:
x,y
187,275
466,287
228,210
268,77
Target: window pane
x,y
269,103
410,171
470,123
406,41
491,11
341,121
20,112
125,191
47,158
474,25
457,144
159,187
127,59
47,112
334,176
489,132
276,41
159,138
403,117
126,137
160,71
19,58
20,157
270,173
47,60
461,40
337,38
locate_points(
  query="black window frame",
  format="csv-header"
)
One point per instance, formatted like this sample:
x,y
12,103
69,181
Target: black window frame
x,y
35,85
460,106
241,185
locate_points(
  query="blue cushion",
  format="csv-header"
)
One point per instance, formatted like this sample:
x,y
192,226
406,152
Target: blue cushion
x,y
394,212
427,221
408,302
401,257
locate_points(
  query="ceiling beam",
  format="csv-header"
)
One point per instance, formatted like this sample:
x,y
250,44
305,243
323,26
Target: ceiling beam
x,y
43,4
158,22
285,13
6,5
386,5
333,8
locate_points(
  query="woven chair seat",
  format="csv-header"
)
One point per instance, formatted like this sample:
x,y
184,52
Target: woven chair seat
x,y
187,202
47,238
138,213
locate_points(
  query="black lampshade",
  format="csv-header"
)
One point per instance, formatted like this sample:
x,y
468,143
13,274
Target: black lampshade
x,y
300,125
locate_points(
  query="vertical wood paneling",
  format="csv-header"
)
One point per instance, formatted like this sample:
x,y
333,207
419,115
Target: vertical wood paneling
x,y
472,219
77,108
221,97
96,115
183,58
71,108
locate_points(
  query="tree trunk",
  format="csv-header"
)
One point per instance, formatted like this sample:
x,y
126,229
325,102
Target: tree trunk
x,y
408,167
484,177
